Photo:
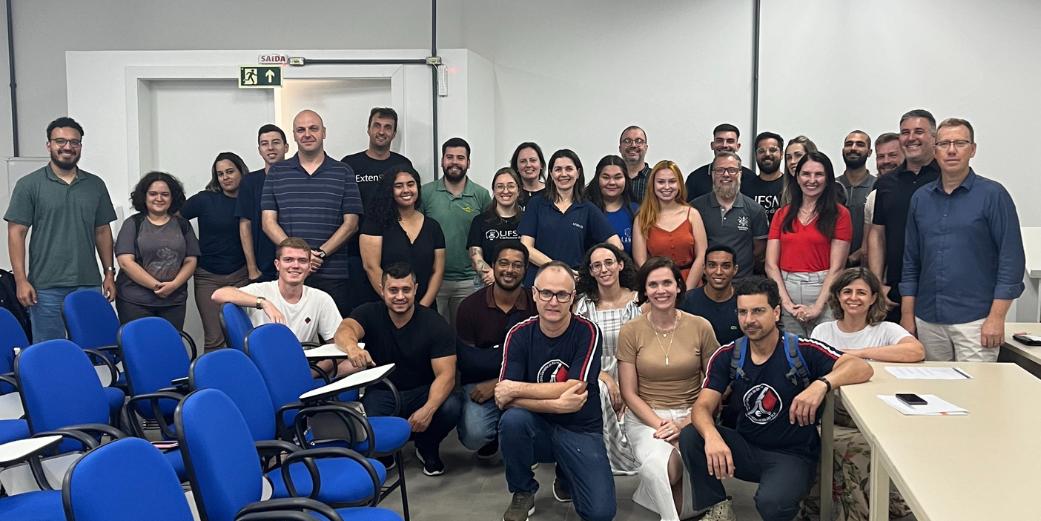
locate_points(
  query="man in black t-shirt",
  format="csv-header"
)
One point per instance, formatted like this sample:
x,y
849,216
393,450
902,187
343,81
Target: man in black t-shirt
x,y
716,301
725,137
551,400
766,187
775,442
422,346
369,165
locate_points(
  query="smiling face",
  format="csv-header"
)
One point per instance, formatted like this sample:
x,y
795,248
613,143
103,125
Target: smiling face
x,y
793,154
272,147
666,185
726,177
856,149
158,198
399,294
917,140
755,316
612,182
564,173
856,298
405,190
505,190
454,163
662,289
812,179
633,146
509,269
768,155
725,140
64,145
228,176
309,132
888,157
955,150
293,265
720,269
528,164
605,267
381,132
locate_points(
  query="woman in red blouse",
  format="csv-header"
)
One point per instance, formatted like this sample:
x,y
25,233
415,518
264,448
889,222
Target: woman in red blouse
x,y
808,245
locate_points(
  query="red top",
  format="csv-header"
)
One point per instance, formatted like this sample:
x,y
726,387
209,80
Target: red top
x,y
677,244
805,249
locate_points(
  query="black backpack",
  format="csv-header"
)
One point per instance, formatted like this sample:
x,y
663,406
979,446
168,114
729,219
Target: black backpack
x,y
9,300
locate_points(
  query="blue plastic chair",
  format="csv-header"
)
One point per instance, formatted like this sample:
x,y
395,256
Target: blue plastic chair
x,y
60,390
236,325
92,324
153,358
344,482
12,336
126,480
225,474
280,358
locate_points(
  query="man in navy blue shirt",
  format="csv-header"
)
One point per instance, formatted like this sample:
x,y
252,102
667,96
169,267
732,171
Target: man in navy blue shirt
x,y
316,198
549,392
963,258
775,442
716,300
258,248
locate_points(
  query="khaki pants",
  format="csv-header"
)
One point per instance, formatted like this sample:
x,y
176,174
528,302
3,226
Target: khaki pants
x,y
205,284
950,342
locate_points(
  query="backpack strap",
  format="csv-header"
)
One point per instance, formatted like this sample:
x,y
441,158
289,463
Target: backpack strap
x,y
798,373
737,358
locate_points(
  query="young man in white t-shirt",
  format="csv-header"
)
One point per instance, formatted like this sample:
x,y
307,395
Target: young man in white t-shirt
x,y
310,312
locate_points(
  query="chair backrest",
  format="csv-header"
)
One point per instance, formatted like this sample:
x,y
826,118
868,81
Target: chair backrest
x,y
278,355
236,325
126,480
219,454
233,373
11,336
59,386
153,356
90,319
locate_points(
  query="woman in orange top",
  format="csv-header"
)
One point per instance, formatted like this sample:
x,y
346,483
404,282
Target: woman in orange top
x,y
666,226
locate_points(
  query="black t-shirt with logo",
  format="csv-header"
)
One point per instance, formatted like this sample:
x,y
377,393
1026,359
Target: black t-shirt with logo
x,y
766,193
368,173
488,229
765,395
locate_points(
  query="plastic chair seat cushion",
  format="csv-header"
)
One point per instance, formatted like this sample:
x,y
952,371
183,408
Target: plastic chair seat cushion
x,y
11,430
343,480
391,432
33,506
366,514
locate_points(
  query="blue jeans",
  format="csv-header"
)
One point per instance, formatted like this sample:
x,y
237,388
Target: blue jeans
x,y
479,423
379,401
783,478
45,315
527,437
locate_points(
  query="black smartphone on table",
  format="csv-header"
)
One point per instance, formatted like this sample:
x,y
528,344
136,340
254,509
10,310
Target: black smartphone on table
x,y
910,399
1030,340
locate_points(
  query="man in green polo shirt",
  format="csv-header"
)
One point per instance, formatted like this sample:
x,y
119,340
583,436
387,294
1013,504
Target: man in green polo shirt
x,y
453,201
69,211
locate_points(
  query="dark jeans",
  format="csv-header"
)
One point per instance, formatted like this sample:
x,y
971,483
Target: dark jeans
x,y
380,402
783,478
336,288
526,438
128,311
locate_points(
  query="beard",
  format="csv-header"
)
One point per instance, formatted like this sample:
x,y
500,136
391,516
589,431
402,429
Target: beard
x,y
65,165
454,174
854,163
728,193
509,287
768,166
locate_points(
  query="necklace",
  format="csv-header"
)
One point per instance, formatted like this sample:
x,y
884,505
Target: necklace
x,y
659,334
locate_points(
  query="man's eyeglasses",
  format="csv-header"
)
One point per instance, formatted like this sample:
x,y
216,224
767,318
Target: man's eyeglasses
x,y
75,143
959,144
721,171
546,295
630,142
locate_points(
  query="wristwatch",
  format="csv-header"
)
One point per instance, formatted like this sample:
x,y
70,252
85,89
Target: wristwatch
x,y
320,253
111,269
261,300
826,382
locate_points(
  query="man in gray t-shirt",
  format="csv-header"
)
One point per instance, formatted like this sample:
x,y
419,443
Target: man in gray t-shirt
x,y
731,218
858,182
69,211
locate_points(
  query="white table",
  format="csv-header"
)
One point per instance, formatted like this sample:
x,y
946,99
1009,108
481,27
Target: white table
x,y
17,450
327,351
1028,307
1027,357
950,468
351,381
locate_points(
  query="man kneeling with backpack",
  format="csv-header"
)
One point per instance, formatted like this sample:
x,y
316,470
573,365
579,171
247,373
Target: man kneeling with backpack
x,y
777,382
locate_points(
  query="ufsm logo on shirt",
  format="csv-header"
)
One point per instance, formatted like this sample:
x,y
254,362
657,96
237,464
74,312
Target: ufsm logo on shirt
x,y
762,404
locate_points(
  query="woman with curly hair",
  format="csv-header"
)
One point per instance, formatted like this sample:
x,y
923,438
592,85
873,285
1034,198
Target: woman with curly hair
x,y
396,231
606,296
157,251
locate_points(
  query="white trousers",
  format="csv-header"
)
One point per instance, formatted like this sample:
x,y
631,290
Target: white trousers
x,y
954,342
655,491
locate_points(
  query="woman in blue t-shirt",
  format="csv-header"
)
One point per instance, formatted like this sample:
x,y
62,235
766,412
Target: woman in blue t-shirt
x,y
222,262
561,224
610,191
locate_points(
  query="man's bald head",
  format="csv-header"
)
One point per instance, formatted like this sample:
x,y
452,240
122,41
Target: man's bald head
x,y
309,133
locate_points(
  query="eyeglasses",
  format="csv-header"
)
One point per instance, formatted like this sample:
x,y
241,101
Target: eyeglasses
x,y
503,263
505,188
729,171
771,150
546,295
75,143
596,267
630,141
959,144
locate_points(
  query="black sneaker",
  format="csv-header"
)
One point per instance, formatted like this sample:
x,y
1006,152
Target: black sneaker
x,y
522,506
488,451
560,493
389,462
432,464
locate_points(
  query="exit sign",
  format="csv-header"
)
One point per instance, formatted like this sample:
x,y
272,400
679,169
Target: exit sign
x,y
259,77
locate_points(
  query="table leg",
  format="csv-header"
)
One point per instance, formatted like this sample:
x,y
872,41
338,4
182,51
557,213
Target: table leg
x,y
827,456
878,500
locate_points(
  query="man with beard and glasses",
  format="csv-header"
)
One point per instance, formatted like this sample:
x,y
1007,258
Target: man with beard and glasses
x,y
731,218
716,300
892,200
725,138
766,187
858,182
69,211
632,146
490,313
422,346
888,157
453,201
369,165
258,248
316,198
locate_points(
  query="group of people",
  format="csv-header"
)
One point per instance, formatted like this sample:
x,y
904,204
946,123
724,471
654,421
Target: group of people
x,y
681,330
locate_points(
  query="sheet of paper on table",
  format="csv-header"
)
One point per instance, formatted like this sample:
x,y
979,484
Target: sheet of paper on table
x,y
934,406
914,372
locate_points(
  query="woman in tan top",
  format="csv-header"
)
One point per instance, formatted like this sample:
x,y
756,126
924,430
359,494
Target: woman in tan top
x,y
662,357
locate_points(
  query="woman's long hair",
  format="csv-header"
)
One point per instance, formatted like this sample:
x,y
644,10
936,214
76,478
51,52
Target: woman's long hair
x,y
214,184
383,209
595,196
827,204
650,207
